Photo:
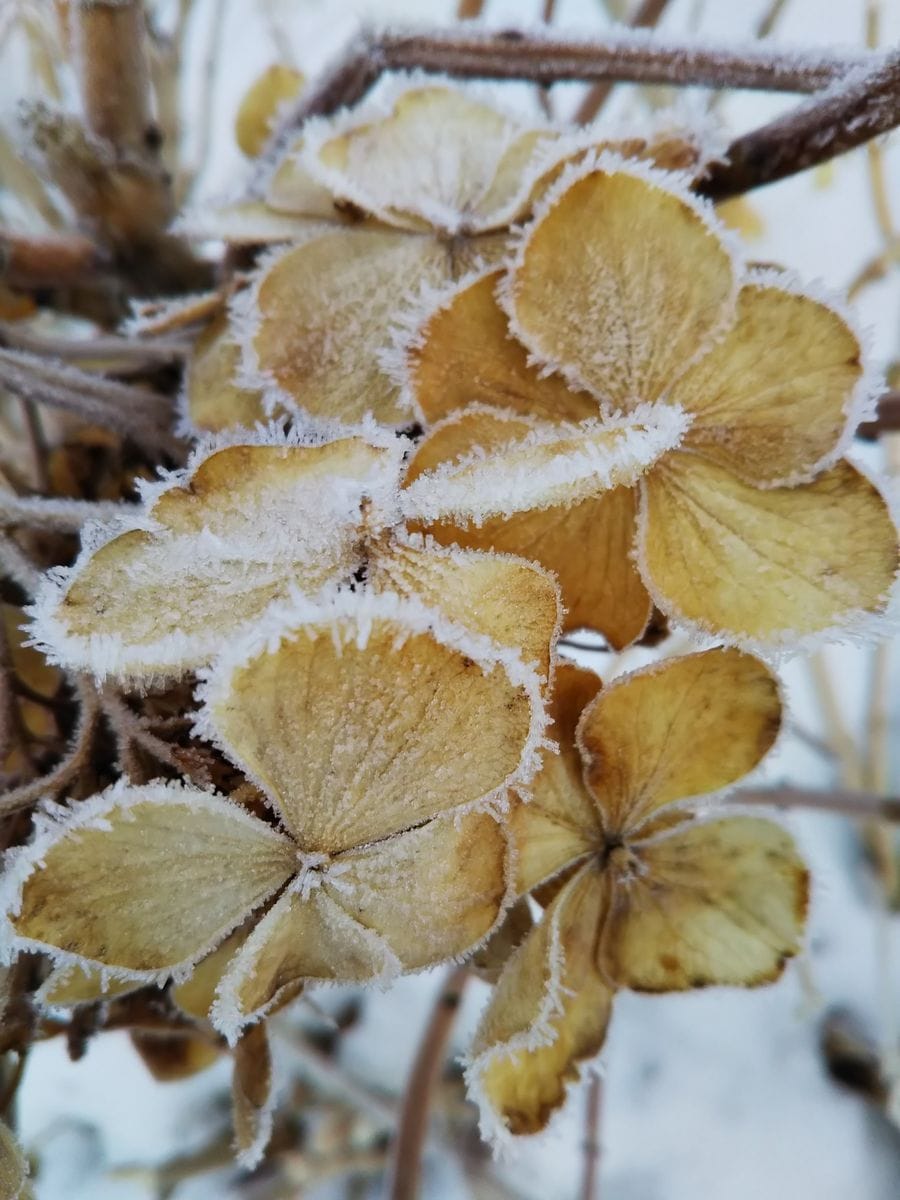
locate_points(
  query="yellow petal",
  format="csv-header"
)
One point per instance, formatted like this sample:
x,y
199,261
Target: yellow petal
x,y
769,564
198,992
258,110
509,600
464,354
722,902
680,728
385,716
322,312
489,960
431,893
483,462
251,1095
399,169
588,547
293,191
14,1169
145,880
560,822
771,401
176,1056
548,1013
300,938
247,223
247,523
622,283
213,400
80,983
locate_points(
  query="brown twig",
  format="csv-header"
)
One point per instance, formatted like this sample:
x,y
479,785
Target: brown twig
x,y
109,349
845,803
540,58
849,112
47,260
66,771
590,1179
887,419
113,76
425,1074
138,412
647,17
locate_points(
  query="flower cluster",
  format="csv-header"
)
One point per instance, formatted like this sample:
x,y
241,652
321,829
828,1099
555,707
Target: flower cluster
x,y
523,383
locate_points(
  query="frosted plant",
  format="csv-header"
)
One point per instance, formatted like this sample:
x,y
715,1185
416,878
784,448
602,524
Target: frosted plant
x,y
162,589
642,889
409,190
624,294
385,739
14,1172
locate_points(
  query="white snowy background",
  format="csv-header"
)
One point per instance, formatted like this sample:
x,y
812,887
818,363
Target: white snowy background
x,y
720,1094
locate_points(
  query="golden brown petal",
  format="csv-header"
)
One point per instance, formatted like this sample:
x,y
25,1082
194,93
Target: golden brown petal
x,y
773,564
549,1012
683,727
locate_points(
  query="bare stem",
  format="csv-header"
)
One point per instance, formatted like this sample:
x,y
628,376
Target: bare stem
x,y
590,1179
47,260
847,803
423,1079
66,771
627,57
62,516
849,112
887,419
113,75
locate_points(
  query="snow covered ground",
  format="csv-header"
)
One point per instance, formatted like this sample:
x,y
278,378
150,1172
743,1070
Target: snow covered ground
x,y
719,1094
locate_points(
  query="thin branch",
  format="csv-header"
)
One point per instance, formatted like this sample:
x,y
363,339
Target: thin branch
x,y
66,771
647,17
113,76
109,348
846,803
423,1079
850,112
37,441
887,419
136,411
47,260
590,1179
328,1077
17,566
634,57
62,516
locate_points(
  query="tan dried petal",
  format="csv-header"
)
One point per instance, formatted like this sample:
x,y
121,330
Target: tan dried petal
x,y
146,880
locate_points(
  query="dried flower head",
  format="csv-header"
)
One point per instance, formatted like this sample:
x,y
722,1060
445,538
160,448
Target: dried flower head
x,y
641,892
406,192
624,298
385,739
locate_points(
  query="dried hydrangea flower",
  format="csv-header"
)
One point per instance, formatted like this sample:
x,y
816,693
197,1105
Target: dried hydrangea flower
x,y
408,190
385,738
248,524
643,894
625,295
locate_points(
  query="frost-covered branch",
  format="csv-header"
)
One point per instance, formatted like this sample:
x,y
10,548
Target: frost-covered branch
x,y
887,419
631,56
849,113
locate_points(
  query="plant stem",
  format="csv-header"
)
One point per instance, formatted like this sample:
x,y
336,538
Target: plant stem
x,y
628,57
847,803
849,112
590,1179
423,1079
